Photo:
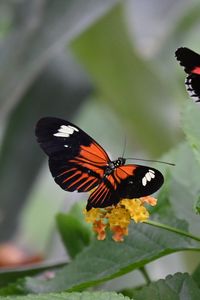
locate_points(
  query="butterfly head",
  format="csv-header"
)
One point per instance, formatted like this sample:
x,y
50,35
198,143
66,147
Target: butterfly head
x,y
116,163
112,165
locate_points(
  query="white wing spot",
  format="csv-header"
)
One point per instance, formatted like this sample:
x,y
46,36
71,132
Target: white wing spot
x,y
152,175
144,181
148,176
74,128
65,131
190,90
66,146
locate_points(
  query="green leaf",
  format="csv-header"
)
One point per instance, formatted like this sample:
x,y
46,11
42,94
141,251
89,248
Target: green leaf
x,y
77,211
182,31
169,220
117,70
13,289
190,123
75,235
197,206
54,27
104,260
196,275
176,287
184,186
10,275
72,296
41,40
19,138
163,206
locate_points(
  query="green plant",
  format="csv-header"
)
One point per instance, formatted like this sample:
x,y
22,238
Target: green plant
x,y
125,92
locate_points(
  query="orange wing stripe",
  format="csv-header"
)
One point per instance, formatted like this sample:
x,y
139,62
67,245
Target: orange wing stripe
x,y
86,181
99,195
125,171
79,179
105,195
111,179
94,153
70,177
89,166
65,172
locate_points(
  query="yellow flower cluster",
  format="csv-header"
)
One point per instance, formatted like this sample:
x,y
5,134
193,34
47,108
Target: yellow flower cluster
x,y
117,218
137,211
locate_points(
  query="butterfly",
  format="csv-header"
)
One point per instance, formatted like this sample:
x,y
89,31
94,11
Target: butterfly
x,y
78,163
190,60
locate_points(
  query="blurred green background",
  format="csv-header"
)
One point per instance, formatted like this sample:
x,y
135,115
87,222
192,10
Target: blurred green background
x,y
109,67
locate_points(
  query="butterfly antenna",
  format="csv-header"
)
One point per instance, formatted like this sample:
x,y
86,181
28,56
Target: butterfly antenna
x,y
151,160
124,148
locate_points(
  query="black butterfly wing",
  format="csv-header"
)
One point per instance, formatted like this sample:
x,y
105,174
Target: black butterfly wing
x,y
76,161
137,181
190,60
128,181
103,196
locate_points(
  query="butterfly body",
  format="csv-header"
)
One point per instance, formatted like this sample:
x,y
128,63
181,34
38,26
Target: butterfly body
x,y
78,163
190,60
112,165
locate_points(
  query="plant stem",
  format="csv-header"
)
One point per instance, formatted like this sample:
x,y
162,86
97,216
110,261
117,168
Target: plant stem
x,y
173,229
145,275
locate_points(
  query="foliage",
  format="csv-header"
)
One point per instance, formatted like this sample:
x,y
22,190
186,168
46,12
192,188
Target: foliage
x,y
113,88
74,296
179,286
